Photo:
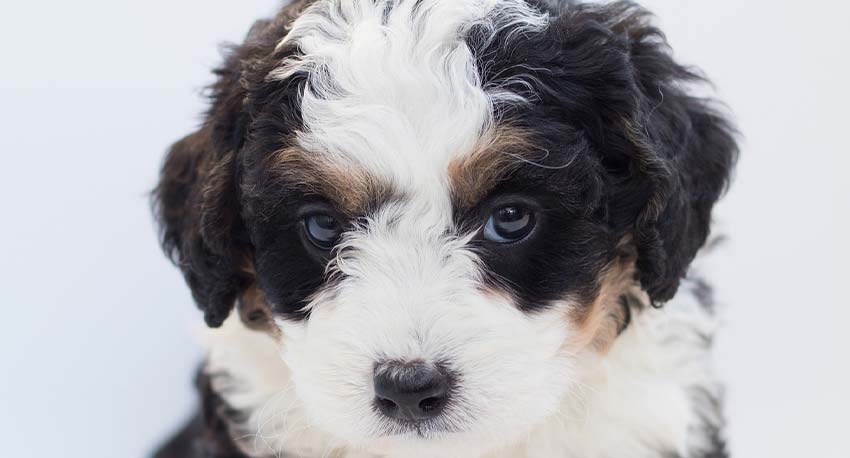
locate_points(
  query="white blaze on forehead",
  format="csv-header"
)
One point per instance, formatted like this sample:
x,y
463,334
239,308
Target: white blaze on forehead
x,y
392,86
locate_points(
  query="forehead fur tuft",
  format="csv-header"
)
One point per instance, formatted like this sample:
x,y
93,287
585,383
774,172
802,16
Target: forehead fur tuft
x,y
393,85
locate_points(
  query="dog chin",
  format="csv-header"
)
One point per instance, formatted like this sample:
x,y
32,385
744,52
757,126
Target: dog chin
x,y
476,439
429,445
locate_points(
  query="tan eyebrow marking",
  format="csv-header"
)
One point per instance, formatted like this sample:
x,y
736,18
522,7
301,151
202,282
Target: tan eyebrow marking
x,y
349,186
499,152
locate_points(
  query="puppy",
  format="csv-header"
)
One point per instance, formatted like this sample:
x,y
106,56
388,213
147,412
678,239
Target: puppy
x,y
446,228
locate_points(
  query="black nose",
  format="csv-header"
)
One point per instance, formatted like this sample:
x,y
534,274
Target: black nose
x,y
410,391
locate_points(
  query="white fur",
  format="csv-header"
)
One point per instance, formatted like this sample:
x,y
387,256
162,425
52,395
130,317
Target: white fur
x,y
396,92
641,399
411,293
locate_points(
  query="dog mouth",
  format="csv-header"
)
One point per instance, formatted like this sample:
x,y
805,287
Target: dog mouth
x,y
430,430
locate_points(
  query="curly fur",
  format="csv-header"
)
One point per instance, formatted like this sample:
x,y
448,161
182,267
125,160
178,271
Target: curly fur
x,y
411,120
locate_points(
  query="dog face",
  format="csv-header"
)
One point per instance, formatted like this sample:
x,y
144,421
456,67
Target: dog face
x,y
436,206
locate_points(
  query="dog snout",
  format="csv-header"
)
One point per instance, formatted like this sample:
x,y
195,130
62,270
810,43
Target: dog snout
x,y
411,391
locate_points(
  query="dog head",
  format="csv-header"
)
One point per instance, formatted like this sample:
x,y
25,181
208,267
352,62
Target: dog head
x,y
436,206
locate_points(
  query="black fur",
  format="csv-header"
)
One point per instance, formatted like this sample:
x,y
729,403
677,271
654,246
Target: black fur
x,y
647,161
206,435
199,200
630,156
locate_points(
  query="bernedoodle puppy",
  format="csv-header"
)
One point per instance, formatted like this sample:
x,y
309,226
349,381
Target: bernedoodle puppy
x,y
451,228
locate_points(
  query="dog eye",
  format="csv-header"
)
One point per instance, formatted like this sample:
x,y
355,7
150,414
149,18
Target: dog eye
x,y
510,223
322,230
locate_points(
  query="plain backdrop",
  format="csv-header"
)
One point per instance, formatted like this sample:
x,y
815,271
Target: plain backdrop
x,y
96,343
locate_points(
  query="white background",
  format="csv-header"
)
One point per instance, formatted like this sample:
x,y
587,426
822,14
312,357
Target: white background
x,y
96,346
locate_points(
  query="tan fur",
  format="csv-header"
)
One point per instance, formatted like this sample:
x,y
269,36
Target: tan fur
x,y
350,187
498,154
600,322
256,313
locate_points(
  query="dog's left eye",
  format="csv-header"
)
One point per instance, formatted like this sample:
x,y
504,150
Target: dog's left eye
x,y
322,230
510,223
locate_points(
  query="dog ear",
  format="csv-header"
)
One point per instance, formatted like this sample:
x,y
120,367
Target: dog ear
x,y
682,153
197,202
197,207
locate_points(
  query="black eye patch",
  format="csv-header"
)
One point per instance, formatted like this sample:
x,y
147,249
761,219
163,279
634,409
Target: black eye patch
x,y
287,270
294,231
537,241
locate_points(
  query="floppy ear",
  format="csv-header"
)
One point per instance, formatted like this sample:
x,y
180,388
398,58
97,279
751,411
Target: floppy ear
x,y
197,207
683,151
197,202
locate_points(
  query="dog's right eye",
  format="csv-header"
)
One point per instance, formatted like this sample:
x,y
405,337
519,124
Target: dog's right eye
x,y
322,230
510,223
